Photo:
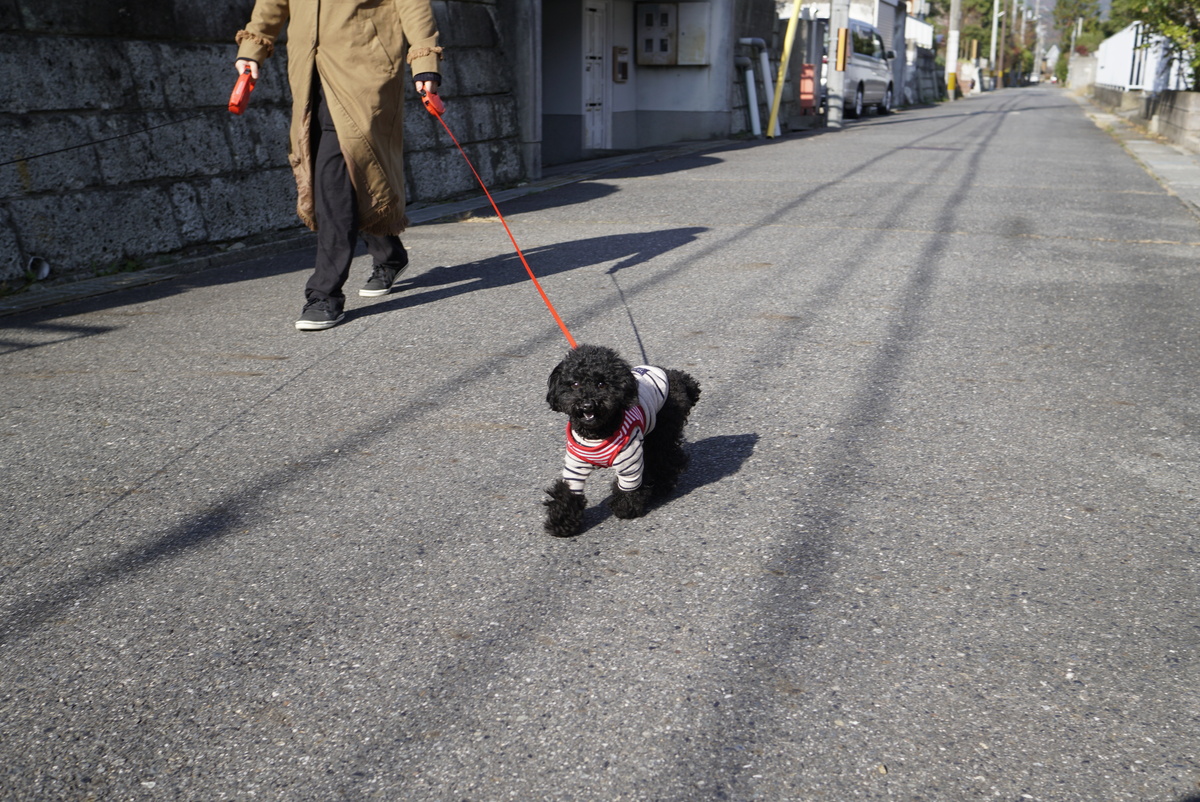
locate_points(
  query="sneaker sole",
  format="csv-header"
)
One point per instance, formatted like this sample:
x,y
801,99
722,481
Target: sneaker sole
x,y
317,325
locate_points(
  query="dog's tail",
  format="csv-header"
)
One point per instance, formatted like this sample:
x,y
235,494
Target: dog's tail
x,y
684,388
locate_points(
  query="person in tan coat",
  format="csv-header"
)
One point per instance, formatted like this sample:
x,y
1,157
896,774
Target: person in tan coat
x,y
346,62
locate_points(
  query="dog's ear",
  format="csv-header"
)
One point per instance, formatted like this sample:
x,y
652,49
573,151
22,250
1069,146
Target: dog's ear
x,y
554,389
628,387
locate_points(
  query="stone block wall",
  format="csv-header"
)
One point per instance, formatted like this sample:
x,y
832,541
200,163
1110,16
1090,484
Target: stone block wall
x,y
116,144
1173,114
1118,100
1176,116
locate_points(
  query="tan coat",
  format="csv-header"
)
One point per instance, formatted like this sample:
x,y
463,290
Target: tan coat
x,y
359,49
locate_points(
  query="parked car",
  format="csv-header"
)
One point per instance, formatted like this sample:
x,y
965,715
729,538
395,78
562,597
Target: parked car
x,y
868,79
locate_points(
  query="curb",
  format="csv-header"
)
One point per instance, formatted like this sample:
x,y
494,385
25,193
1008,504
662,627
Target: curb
x,y
1175,167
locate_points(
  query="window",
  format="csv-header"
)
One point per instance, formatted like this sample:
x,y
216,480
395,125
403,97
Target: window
x,y
864,43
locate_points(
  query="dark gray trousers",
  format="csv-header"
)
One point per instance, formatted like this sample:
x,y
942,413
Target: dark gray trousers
x,y
336,208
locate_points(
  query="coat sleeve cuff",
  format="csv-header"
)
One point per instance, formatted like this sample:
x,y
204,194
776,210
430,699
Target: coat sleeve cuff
x,y
424,52
254,46
424,59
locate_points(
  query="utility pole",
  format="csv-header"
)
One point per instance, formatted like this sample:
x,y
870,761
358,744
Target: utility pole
x,y
1021,13
1037,39
996,14
952,48
788,40
835,78
1003,41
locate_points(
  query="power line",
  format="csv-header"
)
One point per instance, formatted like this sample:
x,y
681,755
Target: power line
x,y
102,141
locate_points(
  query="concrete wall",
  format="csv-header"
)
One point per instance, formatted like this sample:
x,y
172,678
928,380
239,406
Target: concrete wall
x,y
1176,116
676,103
1116,99
115,143
924,80
1081,72
1172,114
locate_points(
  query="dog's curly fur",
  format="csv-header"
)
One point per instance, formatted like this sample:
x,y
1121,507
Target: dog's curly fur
x,y
594,386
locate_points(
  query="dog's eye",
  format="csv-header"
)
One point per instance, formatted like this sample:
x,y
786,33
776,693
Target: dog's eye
x,y
574,384
601,384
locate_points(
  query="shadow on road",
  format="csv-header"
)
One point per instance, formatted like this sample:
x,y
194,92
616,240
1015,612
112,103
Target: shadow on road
x,y
240,509
713,459
800,567
449,281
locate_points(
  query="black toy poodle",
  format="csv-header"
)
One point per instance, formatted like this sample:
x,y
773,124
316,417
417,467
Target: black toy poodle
x,y
627,418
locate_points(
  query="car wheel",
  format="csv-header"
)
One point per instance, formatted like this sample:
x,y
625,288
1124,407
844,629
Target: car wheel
x,y
857,109
885,105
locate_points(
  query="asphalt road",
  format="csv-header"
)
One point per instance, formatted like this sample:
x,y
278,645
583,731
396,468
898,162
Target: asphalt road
x,y
938,541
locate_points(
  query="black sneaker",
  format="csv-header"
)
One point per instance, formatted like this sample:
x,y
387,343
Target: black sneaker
x,y
320,313
380,282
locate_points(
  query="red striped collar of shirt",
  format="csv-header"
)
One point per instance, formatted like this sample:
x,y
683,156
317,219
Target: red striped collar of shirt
x,y
602,453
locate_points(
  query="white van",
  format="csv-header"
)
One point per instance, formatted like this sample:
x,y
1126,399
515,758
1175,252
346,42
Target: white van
x,y
868,80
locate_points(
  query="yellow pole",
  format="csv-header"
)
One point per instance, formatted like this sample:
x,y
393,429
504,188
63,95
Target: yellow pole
x,y
783,63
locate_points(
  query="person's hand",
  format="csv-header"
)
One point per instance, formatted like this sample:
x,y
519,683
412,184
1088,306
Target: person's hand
x,y
243,63
426,86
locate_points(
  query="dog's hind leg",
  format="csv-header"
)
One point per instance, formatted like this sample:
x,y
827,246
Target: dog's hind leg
x,y
664,454
683,391
665,460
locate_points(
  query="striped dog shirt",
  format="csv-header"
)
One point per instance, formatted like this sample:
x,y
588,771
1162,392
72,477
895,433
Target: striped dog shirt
x,y
623,450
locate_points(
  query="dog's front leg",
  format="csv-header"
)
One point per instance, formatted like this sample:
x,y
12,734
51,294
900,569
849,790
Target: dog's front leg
x,y
564,510
629,503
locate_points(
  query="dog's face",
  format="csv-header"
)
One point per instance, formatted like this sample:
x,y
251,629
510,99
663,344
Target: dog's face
x,y
593,386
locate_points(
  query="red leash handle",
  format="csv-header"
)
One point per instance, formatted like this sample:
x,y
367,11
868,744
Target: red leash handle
x,y
434,104
240,97
436,107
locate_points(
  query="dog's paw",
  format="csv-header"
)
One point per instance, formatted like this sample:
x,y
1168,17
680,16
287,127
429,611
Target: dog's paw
x,y
629,503
564,510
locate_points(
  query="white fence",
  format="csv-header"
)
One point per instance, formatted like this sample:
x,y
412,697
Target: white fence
x,y
1136,59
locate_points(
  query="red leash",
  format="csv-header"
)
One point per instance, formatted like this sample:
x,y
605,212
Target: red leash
x,y
435,106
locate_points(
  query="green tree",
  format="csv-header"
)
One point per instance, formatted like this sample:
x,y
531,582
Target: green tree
x,y
1066,12
1027,61
1122,14
1089,41
975,24
1062,68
